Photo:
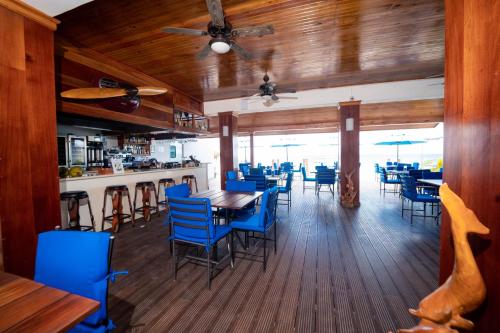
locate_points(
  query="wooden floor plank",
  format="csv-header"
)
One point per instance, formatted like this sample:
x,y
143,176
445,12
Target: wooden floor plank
x,y
336,270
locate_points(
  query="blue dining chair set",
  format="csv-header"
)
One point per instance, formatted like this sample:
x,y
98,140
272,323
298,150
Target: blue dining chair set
x,y
325,177
192,223
306,179
385,179
410,193
261,223
79,263
287,189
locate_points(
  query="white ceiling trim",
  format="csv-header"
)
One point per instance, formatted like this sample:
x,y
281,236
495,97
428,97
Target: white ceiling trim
x,y
367,93
55,7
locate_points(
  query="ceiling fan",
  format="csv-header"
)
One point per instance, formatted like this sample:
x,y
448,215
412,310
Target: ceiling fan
x,y
118,96
268,90
222,33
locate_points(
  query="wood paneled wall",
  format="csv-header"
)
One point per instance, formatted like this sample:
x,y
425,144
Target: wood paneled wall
x,y
472,138
29,188
349,147
317,119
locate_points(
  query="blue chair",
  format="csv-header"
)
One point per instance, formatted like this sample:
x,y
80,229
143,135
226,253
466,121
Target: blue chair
x,y
325,177
260,181
306,179
415,165
432,175
244,168
298,170
385,179
192,224
231,175
409,192
241,186
181,190
320,167
259,223
286,167
79,263
256,171
287,189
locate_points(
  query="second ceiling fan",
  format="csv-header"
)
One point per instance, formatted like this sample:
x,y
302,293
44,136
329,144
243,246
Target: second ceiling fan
x,y
222,33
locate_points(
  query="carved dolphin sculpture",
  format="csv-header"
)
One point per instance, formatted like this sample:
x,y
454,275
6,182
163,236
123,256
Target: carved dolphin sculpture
x,y
464,290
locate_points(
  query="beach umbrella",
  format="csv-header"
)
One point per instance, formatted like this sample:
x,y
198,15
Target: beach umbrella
x,y
286,147
398,143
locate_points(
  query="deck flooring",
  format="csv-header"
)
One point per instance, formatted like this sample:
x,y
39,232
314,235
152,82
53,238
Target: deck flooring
x,y
336,270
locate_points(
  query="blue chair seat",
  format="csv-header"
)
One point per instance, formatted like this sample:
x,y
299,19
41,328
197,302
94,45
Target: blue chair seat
x,y
392,181
309,179
426,198
220,232
250,224
282,189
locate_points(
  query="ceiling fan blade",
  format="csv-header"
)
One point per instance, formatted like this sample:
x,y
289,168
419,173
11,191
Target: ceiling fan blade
x,y
94,93
184,31
241,51
216,12
150,91
274,97
204,52
258,31
288,97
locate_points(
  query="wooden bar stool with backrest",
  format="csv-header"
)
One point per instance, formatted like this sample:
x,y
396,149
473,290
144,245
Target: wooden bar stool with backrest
x,y
189,180
116,193
146,188
72,199
166,183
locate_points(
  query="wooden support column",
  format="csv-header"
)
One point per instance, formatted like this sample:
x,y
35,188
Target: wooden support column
x,y
228,136
252,156
349,153
472,138
29,182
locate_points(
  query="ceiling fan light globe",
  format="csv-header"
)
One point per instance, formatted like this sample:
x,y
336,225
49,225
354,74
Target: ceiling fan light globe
x,y
220,47
267,98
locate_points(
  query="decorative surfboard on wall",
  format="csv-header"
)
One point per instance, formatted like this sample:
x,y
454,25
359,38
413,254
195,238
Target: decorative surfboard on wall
x,y
114,95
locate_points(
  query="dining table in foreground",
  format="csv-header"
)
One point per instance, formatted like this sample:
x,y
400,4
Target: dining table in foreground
x,y
434,182
29,306
228,200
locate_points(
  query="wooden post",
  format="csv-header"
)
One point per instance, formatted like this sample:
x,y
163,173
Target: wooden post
x,y
472,137
252,158
349,153
228,136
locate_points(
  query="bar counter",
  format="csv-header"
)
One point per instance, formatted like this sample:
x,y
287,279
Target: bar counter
x,y
95,185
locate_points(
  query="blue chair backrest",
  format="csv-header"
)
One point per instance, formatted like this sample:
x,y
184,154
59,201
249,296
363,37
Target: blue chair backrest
x,y
325,176
260,181
417,174
289,179
272,204
181,190
415,165
303,170
388,163
241,186
264,215
321,167
432,175
256,171
409,186
376,168
191,219
231,175
77,262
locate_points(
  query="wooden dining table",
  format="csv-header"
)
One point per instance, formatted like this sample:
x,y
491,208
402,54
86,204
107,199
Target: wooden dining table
x,y
29,306
228,199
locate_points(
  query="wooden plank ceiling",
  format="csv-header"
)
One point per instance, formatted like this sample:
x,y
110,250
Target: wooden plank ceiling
x,y
316,44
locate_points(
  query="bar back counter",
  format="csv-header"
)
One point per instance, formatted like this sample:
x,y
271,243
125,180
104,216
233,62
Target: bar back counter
x,y
95,186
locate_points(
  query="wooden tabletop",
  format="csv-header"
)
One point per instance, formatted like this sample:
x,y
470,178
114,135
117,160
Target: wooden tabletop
x,y
435,182
230,200
28,306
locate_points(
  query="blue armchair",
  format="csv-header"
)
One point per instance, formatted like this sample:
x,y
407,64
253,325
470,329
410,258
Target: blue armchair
x,y
325,177
78,262
385,179
192,223
259,223
409,193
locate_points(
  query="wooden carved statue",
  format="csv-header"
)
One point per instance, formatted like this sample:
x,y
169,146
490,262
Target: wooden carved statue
x,y
347,199
464,290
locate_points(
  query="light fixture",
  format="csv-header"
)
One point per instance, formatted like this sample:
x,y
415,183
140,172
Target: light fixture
x,y
220,45
267,98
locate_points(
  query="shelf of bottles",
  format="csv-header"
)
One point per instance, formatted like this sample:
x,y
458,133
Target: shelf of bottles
x,y
190,122
137,146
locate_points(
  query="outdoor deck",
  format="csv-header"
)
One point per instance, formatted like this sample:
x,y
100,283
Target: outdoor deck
x,y
336,270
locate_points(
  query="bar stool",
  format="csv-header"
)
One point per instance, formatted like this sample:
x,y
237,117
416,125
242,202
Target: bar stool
x,y
166,183
116,193
72,199
189,180
146,189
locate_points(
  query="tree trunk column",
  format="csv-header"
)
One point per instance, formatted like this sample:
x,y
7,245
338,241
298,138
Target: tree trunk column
x,y
228,136
349,153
